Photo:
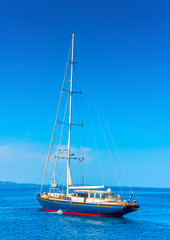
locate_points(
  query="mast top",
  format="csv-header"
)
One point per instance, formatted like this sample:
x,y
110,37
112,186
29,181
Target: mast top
x,y
73,35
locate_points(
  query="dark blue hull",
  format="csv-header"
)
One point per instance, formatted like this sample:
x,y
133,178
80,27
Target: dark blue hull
x,y
86,209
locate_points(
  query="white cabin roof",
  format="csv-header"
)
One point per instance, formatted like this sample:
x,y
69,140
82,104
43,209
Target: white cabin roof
x,y
93,191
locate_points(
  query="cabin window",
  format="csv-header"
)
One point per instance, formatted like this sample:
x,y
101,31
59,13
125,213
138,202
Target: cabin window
x,y
97,195
83,195
67,198
103,195
91,195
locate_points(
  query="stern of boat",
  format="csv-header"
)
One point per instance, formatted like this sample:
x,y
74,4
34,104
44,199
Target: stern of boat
x,y
130,208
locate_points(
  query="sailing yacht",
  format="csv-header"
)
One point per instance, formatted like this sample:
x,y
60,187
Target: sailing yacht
x,y
80,200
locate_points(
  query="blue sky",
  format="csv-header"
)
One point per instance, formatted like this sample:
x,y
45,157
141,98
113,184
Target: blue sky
x,y
123,51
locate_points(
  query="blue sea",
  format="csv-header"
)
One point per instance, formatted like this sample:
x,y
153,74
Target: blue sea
x,y
22,218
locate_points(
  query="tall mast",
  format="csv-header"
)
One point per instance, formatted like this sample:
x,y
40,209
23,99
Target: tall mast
x,y
70,112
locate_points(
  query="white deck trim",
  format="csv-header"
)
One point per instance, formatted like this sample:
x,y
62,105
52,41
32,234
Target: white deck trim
x,y
87,187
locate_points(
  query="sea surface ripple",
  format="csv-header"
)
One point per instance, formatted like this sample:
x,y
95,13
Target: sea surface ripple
x,y
22,218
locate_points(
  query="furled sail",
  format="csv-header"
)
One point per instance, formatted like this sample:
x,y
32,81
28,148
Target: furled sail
x,y
69,182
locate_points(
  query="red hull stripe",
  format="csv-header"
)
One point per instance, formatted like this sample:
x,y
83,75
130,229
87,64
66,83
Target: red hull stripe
x,y
82,214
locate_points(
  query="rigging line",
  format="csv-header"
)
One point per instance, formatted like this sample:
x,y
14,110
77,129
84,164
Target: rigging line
x,y
57,179
48,157
62,179
48,174
78,151
82,120
63,184
98,156
60,137
123,170
107,145
90,81
49,177
83,140
57,134
57,176
80,171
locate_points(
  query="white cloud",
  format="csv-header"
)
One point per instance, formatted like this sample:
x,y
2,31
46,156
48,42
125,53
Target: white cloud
x,y
32,134
25,162
19,162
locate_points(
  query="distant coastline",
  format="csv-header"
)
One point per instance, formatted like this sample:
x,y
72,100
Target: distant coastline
x,y
10,184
